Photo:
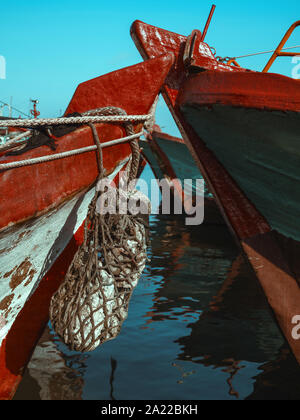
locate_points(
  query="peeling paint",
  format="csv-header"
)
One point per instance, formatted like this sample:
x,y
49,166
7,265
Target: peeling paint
x,y
5,302
21,273
8,274
28,257
30,277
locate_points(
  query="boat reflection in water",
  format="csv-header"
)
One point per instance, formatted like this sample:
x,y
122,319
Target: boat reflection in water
x,y
199,327
230,325
52,375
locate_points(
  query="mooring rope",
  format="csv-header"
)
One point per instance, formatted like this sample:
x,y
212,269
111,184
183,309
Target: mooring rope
x,y
107,114
225,59
16,141
32,123
43,159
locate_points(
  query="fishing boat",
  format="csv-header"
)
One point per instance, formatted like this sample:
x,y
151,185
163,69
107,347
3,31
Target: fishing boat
x,y
174,159
47,184
242,129
170,159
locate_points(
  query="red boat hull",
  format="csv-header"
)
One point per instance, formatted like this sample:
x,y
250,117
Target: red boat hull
x,y
43,208
29,191
260,244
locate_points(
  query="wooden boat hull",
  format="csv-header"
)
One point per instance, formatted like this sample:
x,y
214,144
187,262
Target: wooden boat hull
x,y
169,158
175,150
43,208
28,251
256,143
268,253
35,188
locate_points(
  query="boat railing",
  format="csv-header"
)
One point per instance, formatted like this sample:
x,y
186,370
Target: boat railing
x,y
278,52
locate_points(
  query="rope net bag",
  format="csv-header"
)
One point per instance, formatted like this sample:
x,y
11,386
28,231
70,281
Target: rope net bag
x,y
92,302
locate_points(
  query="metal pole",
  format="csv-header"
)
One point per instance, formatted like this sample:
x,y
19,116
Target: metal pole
x,y
208,23
10,107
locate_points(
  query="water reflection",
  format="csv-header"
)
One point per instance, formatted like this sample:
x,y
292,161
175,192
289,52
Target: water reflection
x,y
112,377
212,282
199,327
51,374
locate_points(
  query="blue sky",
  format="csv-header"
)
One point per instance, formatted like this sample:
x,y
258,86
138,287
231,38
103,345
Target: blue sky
x,y
52,46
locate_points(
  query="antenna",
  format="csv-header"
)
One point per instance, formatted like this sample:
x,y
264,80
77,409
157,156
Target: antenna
x,y
34,111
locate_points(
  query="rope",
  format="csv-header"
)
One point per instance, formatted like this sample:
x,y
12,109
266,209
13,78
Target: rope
x,y
99,148
110,113
252,55
149,124
21,136
15,142
92,302
74,120
107,114
43,159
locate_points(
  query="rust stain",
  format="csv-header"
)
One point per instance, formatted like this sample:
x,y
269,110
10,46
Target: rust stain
x,y
8,273
5,303
6,250
20,237
30,277
20,273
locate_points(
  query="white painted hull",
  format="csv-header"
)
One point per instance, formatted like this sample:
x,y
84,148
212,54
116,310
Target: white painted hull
x,y
29,250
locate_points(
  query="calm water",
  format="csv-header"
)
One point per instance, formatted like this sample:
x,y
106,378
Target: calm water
x,y
198,328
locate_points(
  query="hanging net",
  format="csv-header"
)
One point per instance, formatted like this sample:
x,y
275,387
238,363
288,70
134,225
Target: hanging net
x,y
91,304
